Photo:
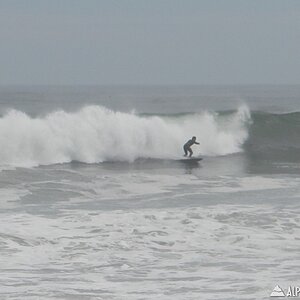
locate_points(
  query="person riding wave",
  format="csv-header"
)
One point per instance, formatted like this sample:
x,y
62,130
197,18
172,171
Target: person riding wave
x,y
187,146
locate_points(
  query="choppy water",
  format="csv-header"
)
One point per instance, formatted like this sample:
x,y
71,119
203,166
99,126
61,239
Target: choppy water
x,y
119,221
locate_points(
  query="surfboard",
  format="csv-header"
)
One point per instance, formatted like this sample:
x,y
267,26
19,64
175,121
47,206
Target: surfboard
x,y
190,159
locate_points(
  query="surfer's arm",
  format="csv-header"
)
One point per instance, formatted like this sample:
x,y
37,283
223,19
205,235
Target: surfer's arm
x,y
197,143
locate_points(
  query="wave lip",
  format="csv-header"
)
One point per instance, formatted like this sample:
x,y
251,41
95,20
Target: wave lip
x,y
96,134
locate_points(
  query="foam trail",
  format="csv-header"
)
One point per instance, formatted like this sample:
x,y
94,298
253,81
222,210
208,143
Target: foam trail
x,y
96,134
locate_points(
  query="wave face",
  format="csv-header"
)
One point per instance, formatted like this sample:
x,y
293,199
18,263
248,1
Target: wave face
x,y
274,136
96,134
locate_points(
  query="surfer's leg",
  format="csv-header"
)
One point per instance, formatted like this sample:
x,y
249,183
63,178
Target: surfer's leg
x,y
185,151
191,152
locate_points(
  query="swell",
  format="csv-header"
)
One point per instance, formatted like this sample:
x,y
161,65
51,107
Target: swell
x,y
96,134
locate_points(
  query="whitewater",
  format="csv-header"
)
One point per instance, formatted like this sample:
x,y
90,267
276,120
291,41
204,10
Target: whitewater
x,y
96,134
95,203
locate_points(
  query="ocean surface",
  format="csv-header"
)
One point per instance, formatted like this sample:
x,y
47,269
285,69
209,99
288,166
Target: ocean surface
x,y
95,203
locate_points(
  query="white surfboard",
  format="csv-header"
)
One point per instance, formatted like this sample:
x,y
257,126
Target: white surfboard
x,y
190,159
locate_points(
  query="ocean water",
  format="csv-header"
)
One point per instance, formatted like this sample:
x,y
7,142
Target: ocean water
x,y
95,203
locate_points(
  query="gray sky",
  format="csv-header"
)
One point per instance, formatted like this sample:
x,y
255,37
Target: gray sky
x,y
149,41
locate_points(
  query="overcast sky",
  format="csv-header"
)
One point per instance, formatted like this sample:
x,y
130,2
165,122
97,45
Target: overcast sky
x,y
149,41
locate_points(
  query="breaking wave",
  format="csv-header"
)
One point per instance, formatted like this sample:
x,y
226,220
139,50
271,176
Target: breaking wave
x,y
96,134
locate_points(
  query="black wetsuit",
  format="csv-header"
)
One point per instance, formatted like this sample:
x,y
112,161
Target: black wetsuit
x,y
187,147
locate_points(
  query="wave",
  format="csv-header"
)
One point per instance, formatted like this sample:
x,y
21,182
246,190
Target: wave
x,y
274,137
97,134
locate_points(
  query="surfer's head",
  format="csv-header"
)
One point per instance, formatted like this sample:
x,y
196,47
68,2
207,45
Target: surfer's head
x,y
194,138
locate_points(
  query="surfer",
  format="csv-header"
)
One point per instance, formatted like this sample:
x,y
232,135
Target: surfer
x,y
187,146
